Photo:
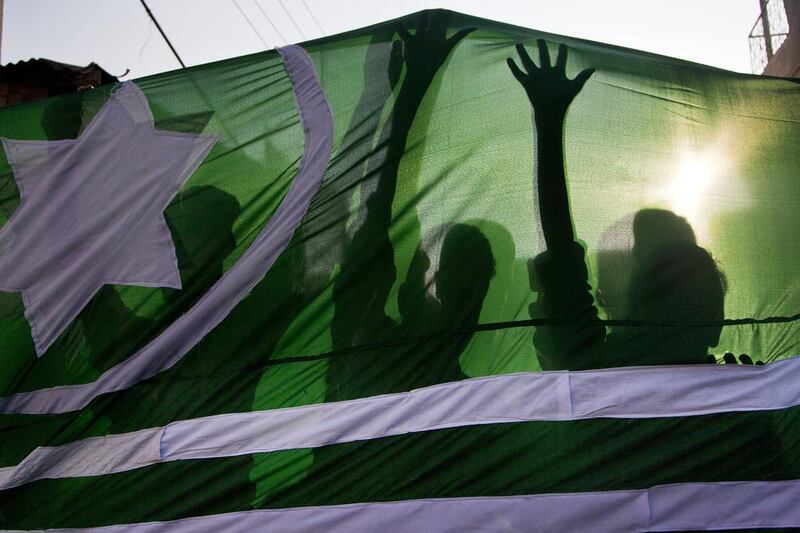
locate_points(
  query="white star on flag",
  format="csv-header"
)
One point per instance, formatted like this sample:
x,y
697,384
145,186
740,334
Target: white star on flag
x,y
92,211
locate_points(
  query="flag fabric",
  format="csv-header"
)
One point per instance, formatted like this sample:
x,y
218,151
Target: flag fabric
x,y
436,274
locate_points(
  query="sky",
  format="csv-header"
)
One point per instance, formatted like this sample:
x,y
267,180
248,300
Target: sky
x,y
119,36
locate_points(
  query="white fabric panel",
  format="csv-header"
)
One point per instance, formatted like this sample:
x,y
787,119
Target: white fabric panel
x,y
698,506
639,392
511,398
92,211
636,392
88,457
684,390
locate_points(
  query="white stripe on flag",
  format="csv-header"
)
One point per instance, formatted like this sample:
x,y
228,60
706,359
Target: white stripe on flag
x,y
181,336
709,506
634,392
106,455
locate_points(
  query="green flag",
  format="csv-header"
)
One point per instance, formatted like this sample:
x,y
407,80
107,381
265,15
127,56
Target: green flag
x,y
440,273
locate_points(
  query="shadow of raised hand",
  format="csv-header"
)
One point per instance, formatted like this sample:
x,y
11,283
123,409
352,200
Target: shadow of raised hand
x,y
548,88
428,48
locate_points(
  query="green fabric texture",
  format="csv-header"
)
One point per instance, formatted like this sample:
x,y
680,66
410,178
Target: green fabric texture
x,y
411,268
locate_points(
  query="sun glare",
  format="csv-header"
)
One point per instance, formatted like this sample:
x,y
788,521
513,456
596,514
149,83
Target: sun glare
x,y
695,174
688,191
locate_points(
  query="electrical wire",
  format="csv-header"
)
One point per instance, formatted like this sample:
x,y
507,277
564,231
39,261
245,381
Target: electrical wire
x,y
314,17
147,41
164,35
294,22
250,23
274,27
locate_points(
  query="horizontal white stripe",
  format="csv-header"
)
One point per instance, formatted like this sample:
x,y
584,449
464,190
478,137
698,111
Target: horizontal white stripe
x,y
179,338
708,506
88,457
637,392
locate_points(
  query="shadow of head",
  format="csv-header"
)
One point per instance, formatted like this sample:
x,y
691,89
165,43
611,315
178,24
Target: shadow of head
x,y
675,282
466,267
201,221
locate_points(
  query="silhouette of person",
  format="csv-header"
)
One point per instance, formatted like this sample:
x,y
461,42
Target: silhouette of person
x,y
362,289
442,322
367,271
108,328
309,263
675,296
460,288
200,220
675,291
